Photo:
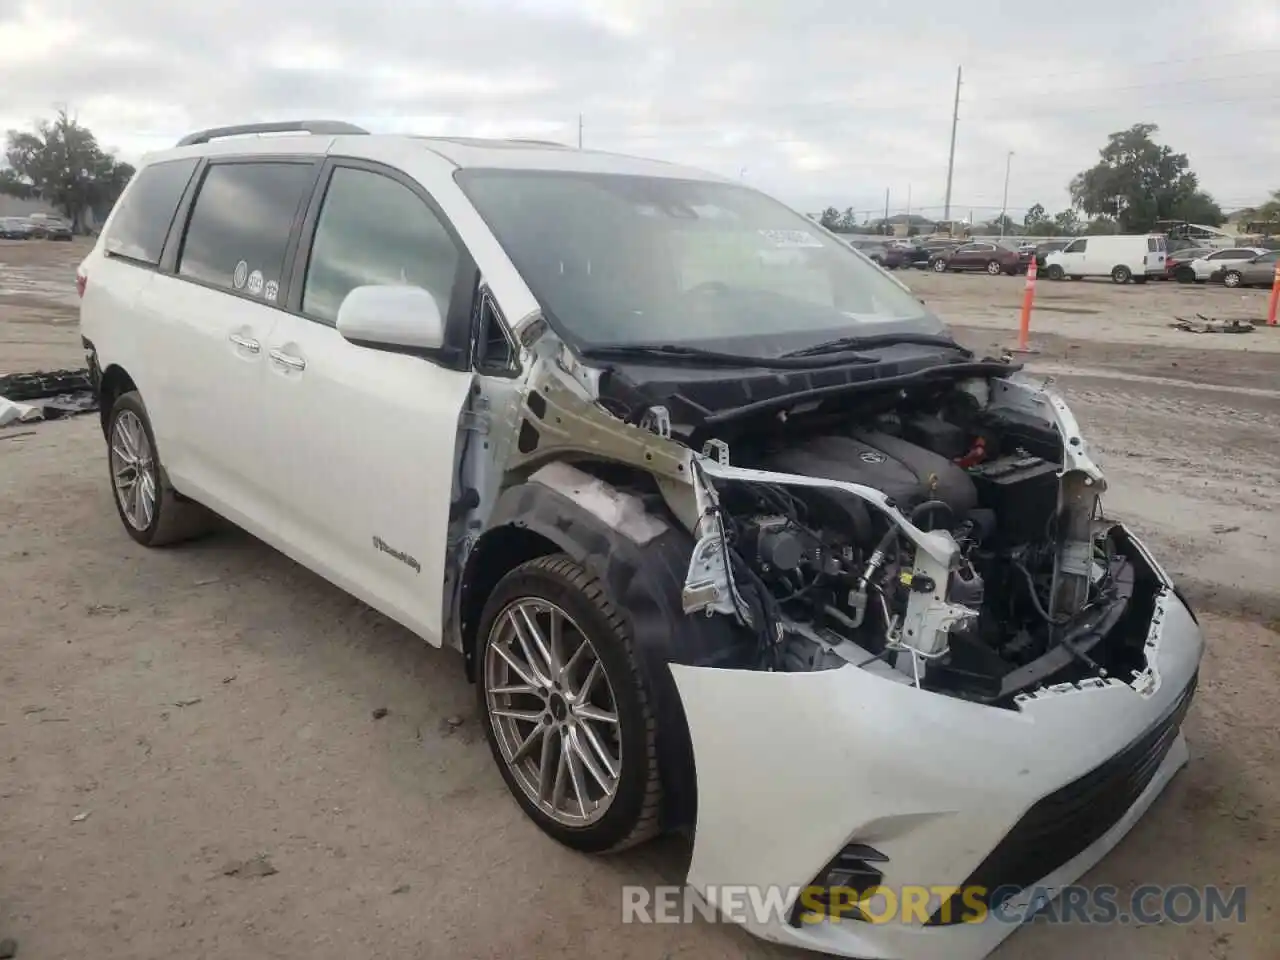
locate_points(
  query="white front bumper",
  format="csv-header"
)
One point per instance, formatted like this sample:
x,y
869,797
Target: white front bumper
x,y
792,767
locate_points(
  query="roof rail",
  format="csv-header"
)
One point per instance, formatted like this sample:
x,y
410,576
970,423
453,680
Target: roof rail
x,y
318,127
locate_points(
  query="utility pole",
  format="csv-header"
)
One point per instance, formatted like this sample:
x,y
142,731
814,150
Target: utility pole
x,y
1004,204
579,131
908,206
886,211
951,159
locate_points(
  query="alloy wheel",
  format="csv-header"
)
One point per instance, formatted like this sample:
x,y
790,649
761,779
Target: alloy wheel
x,y
133,470
553,711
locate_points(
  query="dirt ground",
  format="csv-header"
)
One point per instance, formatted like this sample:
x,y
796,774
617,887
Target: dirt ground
x,y
168,717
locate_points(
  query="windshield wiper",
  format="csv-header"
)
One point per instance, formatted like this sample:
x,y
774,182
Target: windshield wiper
x,y
878,340
695,356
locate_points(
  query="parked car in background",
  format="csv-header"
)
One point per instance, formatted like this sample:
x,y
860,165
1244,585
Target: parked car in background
x,y
1258,272
1181,258
991,257
1046,248
1201,269
873,250
49,228
908,255
1136,257
15,228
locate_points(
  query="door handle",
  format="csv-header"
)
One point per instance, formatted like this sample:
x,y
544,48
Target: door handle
x,y
245,343
285,360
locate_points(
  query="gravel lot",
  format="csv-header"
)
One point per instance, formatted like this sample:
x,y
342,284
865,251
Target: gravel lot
x,y
166,717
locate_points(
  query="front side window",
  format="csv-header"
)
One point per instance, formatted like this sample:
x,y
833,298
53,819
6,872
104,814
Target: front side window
x,y
1076,246
240,224
146,211
618,259
374,231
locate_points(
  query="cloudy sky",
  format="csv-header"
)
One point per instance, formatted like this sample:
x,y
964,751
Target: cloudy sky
x,y
818,101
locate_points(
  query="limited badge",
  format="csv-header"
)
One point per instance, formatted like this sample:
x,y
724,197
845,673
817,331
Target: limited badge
x,y
255,282
240,276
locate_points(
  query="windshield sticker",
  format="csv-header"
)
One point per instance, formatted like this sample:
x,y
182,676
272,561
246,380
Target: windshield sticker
x,y
255,282
240,276
272,291
791,239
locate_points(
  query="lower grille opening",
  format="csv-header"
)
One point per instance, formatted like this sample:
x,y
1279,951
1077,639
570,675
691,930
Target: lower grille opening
x,y
1068,821
842,883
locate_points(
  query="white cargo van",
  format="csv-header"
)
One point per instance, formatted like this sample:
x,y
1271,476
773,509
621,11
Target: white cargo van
x,y
1122,258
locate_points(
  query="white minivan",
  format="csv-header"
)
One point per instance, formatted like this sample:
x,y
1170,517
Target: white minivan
x,y
1122,258
674,469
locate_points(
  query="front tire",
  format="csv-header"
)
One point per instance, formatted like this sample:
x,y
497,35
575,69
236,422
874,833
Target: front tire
x,y
939,266
994,269
1232,279
152,511
564,709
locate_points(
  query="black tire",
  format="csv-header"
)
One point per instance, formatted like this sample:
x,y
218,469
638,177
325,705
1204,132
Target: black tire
x,y
1232,279
632,816
1121,274
1139,279
939,266
1077,276
175,518
1185,275
1057,273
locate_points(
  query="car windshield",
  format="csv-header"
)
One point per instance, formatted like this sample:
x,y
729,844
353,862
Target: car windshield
x,y
623,259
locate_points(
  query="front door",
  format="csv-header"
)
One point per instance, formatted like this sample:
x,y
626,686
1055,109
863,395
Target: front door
x,y
364,453
1073,257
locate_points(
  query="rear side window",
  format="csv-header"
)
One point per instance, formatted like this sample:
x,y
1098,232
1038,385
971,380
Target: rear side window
x,y
146,211
375,231
240,225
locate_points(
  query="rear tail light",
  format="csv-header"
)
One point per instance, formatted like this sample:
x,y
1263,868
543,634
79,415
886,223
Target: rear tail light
x,y
82,281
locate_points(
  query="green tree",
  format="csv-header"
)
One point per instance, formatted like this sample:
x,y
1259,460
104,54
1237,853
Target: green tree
x,y
830,218
1067,223
1036,220
62,164
1269,211
848,220
1101,226
1138,181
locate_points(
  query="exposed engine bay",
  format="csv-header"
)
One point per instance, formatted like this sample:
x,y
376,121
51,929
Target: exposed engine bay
x,y
950,539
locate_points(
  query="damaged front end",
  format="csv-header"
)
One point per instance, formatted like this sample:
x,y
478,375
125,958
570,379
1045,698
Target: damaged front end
x,y
957,543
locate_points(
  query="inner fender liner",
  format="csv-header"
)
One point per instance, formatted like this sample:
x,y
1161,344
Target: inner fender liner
x,y
644,583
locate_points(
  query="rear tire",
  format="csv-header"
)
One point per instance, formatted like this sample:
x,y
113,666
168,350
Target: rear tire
x,y
152,511
1232,279
1057,273
1139,279
939,266
544,588
1121,274
994,268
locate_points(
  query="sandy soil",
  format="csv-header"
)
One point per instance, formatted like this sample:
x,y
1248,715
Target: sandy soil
x,y
169,716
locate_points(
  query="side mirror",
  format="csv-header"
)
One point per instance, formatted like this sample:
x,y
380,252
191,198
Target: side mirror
x,y
399,318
